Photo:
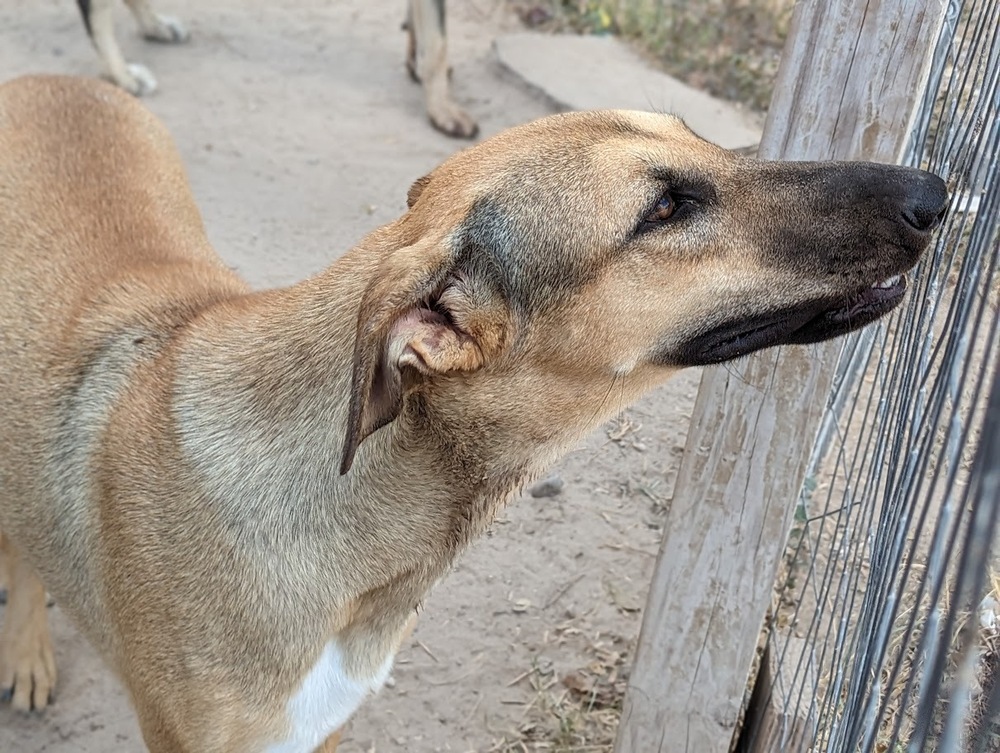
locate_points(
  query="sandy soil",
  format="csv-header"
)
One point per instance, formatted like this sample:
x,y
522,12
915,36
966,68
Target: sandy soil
x,y
302,132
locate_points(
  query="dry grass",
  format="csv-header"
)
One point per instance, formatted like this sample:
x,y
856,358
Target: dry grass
x,y
576,712
976,633
730,48
988,668
985,659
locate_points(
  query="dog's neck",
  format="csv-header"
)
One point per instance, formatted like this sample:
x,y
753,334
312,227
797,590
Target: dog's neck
x,y
260,405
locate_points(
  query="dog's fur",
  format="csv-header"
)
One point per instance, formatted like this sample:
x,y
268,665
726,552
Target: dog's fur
x,y
241,497
426,58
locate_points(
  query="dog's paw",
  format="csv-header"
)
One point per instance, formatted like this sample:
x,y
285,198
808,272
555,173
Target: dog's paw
x,y
28,670
454,121
166,29
139,80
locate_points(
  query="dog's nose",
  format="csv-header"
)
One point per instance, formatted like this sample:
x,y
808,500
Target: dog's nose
x,y
926,203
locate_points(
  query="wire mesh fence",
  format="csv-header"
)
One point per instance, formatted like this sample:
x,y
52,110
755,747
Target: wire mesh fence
x,y
885,633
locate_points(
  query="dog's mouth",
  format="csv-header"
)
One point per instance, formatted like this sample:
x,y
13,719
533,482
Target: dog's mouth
x,y
809,323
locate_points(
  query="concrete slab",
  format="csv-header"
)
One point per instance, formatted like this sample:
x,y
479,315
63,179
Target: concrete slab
x,y
595,72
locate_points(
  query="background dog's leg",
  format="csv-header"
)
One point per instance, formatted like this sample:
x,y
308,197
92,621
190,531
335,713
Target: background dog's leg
x,y
156,27
27,667
3,573
330,746
411,44
99,20
427,60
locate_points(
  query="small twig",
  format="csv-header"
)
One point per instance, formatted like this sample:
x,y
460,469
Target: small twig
x,y
516,680
428,651
475,708
562,591
452,680
528,707
627,548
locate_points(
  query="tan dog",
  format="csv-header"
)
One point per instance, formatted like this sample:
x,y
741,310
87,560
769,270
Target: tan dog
x,y
426,59
241,498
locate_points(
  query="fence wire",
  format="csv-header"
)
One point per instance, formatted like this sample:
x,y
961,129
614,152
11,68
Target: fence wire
x,y
885,634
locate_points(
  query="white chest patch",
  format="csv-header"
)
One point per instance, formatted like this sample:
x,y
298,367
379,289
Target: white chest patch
x,y
325,701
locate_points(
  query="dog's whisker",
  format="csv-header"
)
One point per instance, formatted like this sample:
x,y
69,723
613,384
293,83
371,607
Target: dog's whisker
x,y
595,418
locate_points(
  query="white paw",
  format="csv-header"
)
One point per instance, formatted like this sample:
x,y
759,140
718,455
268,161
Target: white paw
x,y
453,121
168,29
140,82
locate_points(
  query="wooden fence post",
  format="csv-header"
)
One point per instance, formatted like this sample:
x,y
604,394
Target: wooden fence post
x,y
851,79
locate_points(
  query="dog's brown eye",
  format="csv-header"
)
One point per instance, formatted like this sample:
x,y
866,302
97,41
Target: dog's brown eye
x,y
663,210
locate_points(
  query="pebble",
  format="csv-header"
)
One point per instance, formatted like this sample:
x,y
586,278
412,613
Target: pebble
x,y
548,487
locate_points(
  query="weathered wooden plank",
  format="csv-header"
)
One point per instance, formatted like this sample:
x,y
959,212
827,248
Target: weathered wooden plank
x,y
851,78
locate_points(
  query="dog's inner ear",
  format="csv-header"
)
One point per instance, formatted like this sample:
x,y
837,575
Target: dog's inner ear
x,y
415,190
427,340
440,335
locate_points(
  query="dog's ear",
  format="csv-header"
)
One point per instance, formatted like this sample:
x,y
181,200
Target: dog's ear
x,y
415,190
419,318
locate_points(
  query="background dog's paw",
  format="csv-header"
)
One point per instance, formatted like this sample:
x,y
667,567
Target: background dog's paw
x,y
140,80
28,671
166,29
453,121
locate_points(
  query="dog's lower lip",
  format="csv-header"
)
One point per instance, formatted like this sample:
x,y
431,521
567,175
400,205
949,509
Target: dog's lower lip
x,y
883,294
810,323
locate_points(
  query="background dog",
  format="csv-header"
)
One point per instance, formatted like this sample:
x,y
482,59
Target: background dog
x,y
240,498
426,57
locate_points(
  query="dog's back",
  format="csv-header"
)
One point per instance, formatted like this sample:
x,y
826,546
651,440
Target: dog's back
x,y
102,256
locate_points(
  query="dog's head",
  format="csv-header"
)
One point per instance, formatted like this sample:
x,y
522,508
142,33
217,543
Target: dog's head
x,y
591,254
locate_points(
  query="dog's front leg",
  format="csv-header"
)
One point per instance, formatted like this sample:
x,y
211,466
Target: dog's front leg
x,y
99,19
427,59
155,27
27,666
331,743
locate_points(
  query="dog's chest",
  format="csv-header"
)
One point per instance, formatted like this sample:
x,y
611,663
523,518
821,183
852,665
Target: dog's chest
x,y
325,700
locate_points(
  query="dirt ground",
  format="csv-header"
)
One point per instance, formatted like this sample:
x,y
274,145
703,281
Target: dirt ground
x,y
302,132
